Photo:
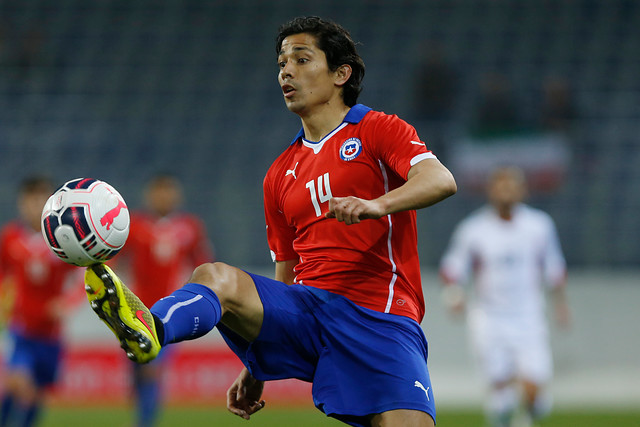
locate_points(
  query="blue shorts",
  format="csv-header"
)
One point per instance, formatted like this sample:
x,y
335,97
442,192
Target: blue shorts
x,y
39,358
360,361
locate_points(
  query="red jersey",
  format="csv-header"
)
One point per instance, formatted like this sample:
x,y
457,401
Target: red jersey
x,y
163,252
38,277
374,263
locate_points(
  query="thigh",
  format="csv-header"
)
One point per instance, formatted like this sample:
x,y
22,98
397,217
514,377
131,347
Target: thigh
x,y
402,417
534,360
35,358
47,357
22,358
288,342
242,309
493,348
372,363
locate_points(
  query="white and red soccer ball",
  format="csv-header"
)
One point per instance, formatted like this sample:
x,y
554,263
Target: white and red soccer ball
x,y
85,222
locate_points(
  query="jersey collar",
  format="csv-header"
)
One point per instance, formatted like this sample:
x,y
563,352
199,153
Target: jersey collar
x,y
355,114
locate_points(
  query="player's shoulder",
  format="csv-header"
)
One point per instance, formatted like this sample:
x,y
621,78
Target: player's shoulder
x,y
12,228
142,220
382,118
189,218
140,215
535,214
282,161
475,222
536,220
385,128
478,216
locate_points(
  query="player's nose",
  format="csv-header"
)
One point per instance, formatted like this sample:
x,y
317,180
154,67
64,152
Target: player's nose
x,y
286,72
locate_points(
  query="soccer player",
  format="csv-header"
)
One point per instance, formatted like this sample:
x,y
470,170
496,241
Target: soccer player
x,y
511,251
345,307
37,279
165,244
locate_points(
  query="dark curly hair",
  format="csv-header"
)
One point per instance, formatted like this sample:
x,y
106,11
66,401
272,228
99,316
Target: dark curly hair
x,y
36,184
337,45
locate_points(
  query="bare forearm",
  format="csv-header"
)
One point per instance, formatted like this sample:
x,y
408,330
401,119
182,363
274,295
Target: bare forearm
x,y
284,271
428,183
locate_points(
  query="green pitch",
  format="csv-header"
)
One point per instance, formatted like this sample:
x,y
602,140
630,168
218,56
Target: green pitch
x,y
281,417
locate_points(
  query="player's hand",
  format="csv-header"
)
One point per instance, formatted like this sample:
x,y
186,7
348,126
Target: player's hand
x,y
57,309
454,299
243,397
351,210
563,316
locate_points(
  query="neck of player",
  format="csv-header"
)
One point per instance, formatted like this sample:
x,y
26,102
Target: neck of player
x,y
323,119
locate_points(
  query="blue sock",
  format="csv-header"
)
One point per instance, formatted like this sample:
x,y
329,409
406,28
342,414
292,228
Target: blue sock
x,y
148,397
188,313
5,410
31,415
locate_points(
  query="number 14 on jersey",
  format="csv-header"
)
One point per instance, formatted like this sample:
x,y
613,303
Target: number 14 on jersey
x,y
321,193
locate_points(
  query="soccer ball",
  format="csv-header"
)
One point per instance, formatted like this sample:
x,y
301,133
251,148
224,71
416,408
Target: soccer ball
x,y
85,222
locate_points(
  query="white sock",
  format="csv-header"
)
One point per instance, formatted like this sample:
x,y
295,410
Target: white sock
x,y
541,406
501,405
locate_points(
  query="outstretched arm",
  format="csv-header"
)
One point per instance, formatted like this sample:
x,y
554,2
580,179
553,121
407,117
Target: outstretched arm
x,y
428,182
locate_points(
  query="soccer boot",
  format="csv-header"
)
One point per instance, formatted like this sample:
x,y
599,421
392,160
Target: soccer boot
x,y
123,312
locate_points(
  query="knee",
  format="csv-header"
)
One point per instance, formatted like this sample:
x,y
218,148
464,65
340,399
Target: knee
x,y
530,392
22,388
218,276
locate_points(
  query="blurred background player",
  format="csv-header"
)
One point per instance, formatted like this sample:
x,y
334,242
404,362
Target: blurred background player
x,y
512,250
164,246
36,280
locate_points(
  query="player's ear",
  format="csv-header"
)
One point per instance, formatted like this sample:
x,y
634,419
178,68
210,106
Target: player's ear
x,y
342,74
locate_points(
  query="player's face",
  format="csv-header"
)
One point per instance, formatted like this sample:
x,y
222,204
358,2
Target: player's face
x,y
164,197
30,206
505,191
304,76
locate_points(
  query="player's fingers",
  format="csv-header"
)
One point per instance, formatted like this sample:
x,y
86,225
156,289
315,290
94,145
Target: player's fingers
x,y
233,407
250,409
238,410
256,407
331,213
348,218
351,213
234,402
349,210
231,396
358,213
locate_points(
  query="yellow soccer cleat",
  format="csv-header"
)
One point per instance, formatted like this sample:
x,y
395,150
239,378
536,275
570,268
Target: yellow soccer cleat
x,y
123,312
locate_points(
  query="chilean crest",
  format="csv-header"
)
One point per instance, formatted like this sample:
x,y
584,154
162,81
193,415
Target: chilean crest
x,y
350,149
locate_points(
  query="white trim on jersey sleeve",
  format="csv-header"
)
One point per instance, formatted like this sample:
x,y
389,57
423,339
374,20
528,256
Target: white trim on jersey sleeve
x,y
421,157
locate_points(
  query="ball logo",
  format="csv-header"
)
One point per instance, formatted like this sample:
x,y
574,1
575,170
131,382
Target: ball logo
x,y
108,218
350,149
